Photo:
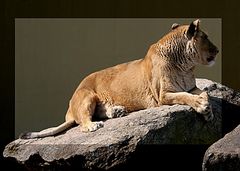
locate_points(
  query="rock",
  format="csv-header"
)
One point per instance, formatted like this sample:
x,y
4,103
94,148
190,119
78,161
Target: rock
x,y
118,140
224,154
230,100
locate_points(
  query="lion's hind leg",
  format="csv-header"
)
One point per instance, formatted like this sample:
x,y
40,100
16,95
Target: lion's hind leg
x,y
83,106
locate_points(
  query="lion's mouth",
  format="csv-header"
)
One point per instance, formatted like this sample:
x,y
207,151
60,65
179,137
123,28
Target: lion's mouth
x,y
210,58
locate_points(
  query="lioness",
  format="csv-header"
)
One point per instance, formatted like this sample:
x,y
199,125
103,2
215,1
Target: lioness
x,y
164,76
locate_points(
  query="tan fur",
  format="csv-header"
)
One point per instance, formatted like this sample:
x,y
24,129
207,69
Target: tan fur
x,y
164,76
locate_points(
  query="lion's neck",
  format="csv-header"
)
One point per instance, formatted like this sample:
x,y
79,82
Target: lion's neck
x,y
163,70
175,55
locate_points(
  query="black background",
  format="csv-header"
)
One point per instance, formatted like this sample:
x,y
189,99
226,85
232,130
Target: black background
x,y
183,157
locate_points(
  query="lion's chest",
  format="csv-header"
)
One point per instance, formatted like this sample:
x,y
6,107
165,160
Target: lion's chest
x,y
178,82
183,82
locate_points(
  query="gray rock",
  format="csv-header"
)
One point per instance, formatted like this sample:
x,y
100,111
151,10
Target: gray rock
x,y
224,155
117,141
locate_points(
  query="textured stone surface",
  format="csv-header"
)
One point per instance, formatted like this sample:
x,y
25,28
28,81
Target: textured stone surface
x,y
224,155
115,143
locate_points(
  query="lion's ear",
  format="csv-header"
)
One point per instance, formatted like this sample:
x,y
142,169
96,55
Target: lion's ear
x,y
175,25
193,28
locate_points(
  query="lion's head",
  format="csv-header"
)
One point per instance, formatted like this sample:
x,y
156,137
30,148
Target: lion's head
x,y
206,50
187,45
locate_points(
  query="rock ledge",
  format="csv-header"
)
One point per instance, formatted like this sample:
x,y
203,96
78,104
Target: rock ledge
x,y
113,144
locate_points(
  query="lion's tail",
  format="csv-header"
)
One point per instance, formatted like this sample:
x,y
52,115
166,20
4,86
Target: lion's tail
x,y
48,132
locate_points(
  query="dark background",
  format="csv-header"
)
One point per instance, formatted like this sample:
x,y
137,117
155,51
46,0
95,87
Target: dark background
x,y
179,156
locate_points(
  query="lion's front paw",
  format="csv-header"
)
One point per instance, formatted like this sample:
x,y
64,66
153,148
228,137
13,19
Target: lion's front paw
x,y
92,126
202,106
